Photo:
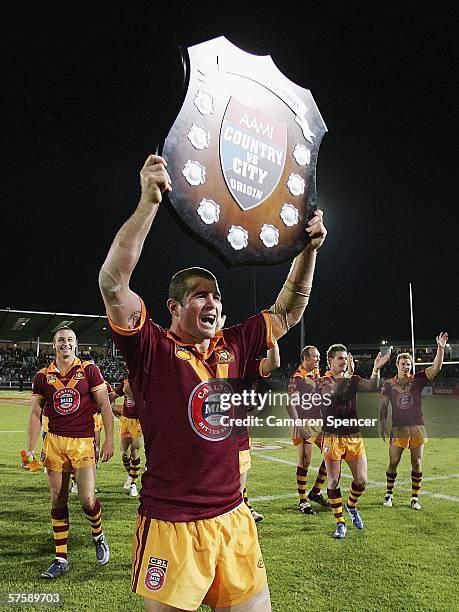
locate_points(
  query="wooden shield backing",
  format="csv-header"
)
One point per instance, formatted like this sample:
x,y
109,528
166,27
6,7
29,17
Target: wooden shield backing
x,y
242,155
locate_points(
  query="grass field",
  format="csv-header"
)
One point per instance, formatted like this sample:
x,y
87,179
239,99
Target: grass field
x,y
403,560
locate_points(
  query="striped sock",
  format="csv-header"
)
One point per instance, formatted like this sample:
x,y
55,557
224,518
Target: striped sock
x,y
60,522
390,482
94,517
246,499
336,503
320,480
301,477
416,478
126,463
72,476
134,469
354,495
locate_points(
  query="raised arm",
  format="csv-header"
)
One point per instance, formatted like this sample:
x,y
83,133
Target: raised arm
x,y
122,304
433,370
372,383
294,295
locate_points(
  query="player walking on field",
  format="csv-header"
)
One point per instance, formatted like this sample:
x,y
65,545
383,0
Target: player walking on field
x,y
131,437
342,441
65,389
403,394
302,383
195,540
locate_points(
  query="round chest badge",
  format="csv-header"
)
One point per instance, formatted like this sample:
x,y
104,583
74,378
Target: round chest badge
x,y
66,401
405,401
208,410
154,578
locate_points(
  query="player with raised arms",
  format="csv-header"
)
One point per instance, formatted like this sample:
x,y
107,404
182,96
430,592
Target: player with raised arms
x,y
195,540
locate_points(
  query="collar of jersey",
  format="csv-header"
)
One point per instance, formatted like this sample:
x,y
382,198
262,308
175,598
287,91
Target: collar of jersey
x,y
53,367
217,341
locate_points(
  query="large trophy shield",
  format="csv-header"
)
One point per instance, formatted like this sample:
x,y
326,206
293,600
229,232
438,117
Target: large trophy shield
x,y
242,155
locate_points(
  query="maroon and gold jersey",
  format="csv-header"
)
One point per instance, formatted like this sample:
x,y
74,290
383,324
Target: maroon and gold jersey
x,y
342,407
192,459
406,398
69,404
302,384
129,408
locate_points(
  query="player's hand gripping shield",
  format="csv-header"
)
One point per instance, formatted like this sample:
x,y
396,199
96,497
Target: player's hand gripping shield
x,y
242,155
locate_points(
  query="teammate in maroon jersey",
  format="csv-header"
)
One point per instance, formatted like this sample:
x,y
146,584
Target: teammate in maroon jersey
x,y
403,393
65,390
342,438
303,381
131,437
195,540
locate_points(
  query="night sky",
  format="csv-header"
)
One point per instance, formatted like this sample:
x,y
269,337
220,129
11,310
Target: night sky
x,y
89,96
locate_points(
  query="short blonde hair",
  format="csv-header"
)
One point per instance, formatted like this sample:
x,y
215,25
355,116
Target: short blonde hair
x,y
403,356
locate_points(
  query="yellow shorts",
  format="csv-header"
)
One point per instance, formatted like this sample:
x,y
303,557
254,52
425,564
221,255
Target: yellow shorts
x,y
63,454
245,461
98,422
215,561
408,437
316,438
343,447
130,428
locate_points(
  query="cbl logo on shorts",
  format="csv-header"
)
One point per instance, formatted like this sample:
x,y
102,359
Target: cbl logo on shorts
x,y
155,576
205,412
66,401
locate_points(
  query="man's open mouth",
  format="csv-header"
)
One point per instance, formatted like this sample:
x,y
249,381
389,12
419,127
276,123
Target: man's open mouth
x,y
208,319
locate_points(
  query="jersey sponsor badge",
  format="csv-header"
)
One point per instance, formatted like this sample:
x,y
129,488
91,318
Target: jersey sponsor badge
x,y
155,576
66,401
207,417
404,401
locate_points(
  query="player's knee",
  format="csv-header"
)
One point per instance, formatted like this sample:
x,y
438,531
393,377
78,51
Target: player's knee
x,y
134,453
361,482
88,502
125,457
333,482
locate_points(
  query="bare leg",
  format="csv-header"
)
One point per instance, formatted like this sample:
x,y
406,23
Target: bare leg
x,y
261,602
